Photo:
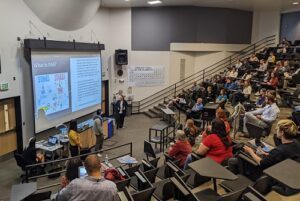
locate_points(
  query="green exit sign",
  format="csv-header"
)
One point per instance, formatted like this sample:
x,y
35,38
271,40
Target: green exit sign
x,y
3,86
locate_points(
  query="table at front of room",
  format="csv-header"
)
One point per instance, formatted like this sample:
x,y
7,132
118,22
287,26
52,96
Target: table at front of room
x,y
209,168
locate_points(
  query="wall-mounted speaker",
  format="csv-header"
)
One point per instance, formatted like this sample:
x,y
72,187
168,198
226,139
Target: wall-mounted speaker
x,y
121,57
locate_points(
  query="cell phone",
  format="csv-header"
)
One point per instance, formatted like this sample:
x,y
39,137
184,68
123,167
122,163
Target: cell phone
x,y
266,149
82,172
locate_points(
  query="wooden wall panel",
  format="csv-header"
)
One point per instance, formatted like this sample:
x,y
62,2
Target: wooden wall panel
x,y
8,142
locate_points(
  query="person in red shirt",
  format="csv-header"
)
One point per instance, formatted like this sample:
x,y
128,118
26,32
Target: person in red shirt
x,y
217,145
181,148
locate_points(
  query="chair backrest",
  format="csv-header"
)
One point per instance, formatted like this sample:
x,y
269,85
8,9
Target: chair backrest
x,y
20,160
131,170
142,181
262,184
182,191
232,196
122,184
148,149
39,196
154,161
144,195
151,174
164,190
254,130
146,165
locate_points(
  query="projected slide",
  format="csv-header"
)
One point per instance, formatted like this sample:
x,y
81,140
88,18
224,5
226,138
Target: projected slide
x,y
52,93
66,85
85,82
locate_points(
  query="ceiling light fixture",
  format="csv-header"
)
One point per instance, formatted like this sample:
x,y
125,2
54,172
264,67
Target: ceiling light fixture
x,y
295,3
153,2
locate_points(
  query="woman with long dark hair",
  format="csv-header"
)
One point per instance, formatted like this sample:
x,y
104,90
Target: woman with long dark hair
x,y
74,139
217,145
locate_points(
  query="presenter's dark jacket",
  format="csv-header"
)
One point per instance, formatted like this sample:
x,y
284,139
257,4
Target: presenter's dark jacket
x,y
122,107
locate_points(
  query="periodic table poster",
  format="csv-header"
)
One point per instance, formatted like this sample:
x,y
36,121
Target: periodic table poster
x,y
145,76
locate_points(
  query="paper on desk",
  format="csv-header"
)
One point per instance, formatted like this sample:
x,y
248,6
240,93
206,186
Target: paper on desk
x,y
127,159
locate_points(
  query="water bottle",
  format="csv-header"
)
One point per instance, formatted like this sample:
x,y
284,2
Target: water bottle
x,y
106,159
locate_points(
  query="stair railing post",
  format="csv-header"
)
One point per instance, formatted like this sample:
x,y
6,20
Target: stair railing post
x,y
175,90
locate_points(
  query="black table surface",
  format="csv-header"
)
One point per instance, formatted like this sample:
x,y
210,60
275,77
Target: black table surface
x,y
209,168
286,172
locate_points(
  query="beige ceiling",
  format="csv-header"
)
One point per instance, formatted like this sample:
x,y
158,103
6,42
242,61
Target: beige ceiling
x,y
283,5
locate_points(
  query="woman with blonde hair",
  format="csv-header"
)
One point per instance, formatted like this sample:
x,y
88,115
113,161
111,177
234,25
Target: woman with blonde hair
x,y
181,148
287,148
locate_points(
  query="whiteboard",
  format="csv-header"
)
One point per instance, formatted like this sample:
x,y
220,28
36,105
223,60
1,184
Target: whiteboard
x,y
145,76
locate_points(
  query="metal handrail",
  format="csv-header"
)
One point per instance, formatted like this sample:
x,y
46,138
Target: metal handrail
x,y
210,70
28,167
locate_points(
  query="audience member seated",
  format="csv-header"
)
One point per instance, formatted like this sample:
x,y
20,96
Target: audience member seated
x,y
181,148
195,112
241,96
247,76
74,139
272,83
31,155
232,73
289,148
92,187
191,131
261,100
178,101
210,95
217,145
71,171
287,76
220,114
263,117
271,58
263,65
222,98
238,64
253,58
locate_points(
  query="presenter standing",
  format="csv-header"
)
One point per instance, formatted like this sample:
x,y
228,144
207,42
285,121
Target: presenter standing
x,y
121,107
74,139
98,130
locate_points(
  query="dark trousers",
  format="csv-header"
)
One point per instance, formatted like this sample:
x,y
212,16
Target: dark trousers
x,y
74,150
120,120
99,142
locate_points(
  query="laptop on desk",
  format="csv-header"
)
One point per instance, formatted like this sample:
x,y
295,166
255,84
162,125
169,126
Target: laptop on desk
x,y
51,141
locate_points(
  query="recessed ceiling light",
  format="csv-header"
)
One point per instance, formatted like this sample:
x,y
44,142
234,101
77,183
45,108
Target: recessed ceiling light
x,y
295,3
154,2
127,0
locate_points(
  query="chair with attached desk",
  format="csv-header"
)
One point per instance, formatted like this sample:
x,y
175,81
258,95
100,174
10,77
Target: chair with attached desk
x,y
261,184
206,194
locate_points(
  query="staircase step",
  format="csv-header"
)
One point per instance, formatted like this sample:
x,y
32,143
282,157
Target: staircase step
x,y
156,112
157,107
150,114
162,105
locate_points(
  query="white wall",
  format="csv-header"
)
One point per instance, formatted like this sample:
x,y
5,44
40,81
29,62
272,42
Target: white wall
x,y
265,23
113,28
14,22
